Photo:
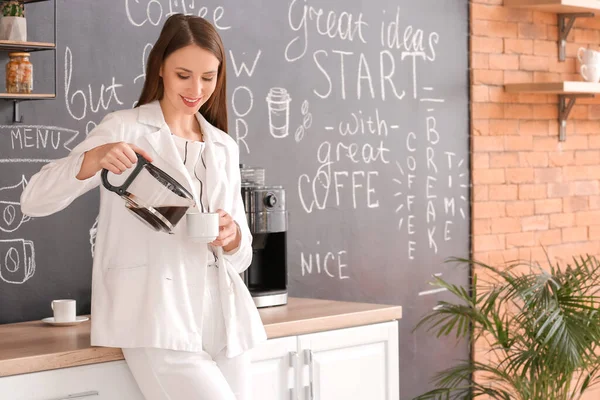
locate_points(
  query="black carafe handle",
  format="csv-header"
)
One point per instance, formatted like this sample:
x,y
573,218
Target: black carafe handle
x,y
121,190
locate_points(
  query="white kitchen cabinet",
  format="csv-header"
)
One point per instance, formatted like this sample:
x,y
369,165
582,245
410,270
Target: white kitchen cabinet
x,y
103,381
273,369
352,363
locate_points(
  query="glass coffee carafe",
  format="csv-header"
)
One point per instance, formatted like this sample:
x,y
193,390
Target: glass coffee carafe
x,y
152,195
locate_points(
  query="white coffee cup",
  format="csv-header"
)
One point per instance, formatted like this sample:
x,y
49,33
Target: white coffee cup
x,y
588,56
64,310
591,73
202,227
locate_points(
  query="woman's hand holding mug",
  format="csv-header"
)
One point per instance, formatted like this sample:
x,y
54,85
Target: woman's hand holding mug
x,y
229,232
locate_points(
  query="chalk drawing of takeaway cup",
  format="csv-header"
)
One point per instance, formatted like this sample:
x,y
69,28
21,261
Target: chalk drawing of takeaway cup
x,y
17,260
278,101
11,217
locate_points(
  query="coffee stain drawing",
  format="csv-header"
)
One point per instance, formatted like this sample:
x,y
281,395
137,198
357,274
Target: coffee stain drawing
x,y
17,260
11,217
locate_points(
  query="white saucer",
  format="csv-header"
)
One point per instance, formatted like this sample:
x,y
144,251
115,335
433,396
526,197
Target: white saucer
x,y
78,320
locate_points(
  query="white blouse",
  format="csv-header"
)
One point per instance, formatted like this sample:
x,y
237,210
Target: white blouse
x,y
213,331
192,154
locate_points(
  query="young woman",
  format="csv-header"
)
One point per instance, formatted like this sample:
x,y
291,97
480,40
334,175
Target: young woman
x,y
179,310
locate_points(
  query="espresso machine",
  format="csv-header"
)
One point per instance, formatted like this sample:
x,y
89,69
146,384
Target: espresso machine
x,y
266,278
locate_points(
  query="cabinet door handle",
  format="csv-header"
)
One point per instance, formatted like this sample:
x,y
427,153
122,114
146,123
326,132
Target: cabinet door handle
x,y
308,356
78,395
309,392
293,362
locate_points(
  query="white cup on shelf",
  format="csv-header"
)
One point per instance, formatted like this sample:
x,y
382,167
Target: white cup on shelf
x,y
590,72
588,56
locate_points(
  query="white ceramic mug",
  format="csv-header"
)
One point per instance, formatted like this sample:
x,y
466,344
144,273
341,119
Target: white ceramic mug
x,y
64,310
588,56
202,227
591,73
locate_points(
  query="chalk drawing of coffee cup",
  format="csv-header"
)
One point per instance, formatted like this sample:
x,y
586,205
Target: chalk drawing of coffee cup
x,y
278,101
11,217
17,260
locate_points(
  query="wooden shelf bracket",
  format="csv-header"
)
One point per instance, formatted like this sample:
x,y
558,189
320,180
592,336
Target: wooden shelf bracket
x,y
565,104
565,24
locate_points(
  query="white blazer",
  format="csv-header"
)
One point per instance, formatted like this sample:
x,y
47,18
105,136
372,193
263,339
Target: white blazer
x,y
147,286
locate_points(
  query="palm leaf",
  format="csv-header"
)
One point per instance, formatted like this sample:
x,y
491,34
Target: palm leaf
x,y
542,324
456,383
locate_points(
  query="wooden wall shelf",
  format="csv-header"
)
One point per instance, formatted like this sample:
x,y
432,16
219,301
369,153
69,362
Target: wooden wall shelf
x,y
26,96
567,12
11,45
556,6
568,93
565,88
16,98
17,46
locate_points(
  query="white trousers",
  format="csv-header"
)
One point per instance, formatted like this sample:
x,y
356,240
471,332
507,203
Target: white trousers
x,y
163,374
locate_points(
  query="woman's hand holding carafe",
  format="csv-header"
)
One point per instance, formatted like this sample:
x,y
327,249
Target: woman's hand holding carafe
x,y
115,157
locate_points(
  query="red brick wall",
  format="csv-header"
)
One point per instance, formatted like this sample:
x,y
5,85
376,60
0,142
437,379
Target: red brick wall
x,y
529,189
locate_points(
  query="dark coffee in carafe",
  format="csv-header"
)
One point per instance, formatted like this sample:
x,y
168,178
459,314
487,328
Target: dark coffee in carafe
x,y
171,213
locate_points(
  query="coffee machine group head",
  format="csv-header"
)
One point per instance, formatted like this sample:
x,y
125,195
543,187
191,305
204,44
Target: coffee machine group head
x,y
266,278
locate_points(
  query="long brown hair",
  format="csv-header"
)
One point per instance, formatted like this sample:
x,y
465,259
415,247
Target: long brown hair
x,y
179,31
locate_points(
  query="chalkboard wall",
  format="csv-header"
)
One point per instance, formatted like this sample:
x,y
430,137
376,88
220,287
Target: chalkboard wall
x,y
359,109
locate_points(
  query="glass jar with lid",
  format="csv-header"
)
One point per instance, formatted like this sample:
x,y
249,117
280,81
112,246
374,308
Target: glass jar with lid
x,y
19,73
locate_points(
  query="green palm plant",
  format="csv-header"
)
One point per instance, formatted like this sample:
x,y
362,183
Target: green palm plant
x,y
542,326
